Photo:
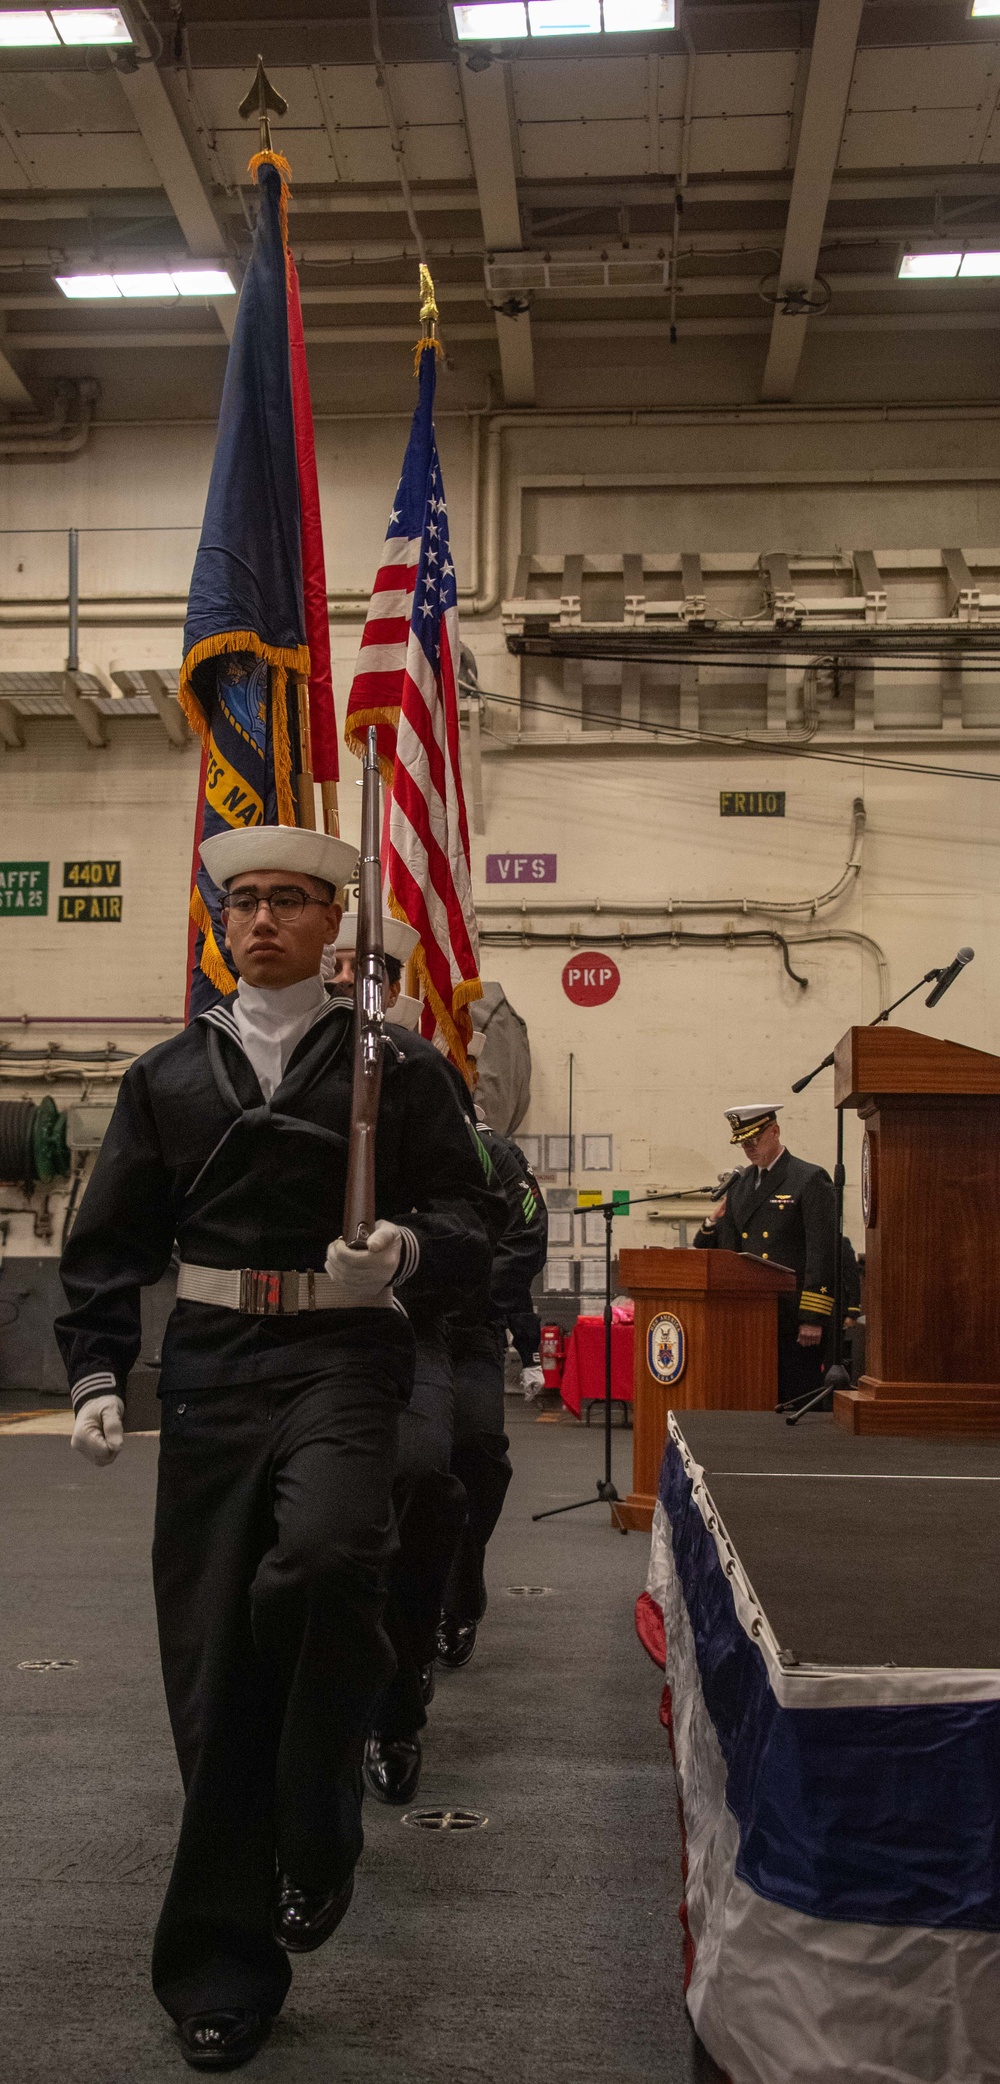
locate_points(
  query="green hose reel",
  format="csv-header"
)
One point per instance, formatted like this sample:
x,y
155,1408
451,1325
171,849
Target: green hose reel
x,y
33,1146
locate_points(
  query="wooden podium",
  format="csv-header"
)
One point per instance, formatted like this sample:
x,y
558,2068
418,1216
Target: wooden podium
x,y
706,1339
930,1177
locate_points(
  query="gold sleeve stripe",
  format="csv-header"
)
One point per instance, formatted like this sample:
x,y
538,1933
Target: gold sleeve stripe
x,y
820,1305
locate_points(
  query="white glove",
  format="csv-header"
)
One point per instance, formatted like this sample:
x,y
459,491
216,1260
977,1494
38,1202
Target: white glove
x,y
532,1382
363,1280
98,1432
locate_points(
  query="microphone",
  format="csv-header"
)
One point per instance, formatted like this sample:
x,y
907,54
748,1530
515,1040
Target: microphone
x,y
946,978
723,1184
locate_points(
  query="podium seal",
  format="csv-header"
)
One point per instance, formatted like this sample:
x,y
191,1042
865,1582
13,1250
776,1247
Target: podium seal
x,y
666,1348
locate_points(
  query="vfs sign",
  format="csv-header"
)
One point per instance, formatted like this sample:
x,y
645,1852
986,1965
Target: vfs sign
x,y
590,978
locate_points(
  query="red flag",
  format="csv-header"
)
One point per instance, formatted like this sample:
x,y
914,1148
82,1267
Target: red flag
x,y
322,716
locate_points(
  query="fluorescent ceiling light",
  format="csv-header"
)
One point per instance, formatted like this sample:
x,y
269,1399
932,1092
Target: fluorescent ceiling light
x,y
983,7
184,282
625,15
511,21
204,282
564,17
91,25
981,263
498,21
88,286
146,285
924,267
68,25
33,28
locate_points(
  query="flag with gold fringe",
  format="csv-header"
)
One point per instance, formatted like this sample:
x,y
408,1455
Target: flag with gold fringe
x,y
405,683
257,623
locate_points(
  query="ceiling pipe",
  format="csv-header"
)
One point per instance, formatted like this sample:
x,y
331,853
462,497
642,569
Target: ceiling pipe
x,y
52,437
673,907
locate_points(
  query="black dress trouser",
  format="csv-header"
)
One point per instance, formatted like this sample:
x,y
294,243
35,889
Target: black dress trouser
x,y
479,1459
800,1368
274,1528
430,1509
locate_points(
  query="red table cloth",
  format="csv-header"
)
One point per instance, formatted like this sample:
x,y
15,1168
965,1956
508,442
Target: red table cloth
x,y
583,1369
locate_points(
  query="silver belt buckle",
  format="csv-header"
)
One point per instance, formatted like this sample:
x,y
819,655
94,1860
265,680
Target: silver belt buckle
x,y
262,1294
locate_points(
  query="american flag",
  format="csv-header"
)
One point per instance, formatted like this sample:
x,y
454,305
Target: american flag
x,y
405,684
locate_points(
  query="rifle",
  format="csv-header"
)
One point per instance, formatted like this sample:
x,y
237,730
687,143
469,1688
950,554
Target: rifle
x,y
369,1038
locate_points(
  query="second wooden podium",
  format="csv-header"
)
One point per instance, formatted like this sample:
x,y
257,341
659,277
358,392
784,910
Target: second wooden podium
x,y
930,1190
706,1338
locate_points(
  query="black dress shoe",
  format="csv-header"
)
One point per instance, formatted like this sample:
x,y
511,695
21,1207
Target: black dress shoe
x,y
456,1642
222,2040
304,1919
427,1683
392,1768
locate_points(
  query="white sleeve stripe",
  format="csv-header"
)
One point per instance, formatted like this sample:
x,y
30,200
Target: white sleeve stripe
x,y
89,1386
409,1259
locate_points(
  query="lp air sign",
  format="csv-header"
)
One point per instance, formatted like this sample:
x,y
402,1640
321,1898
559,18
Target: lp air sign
x,y
590,979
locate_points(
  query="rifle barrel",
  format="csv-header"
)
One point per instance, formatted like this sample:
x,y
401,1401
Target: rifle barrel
x,y
369,987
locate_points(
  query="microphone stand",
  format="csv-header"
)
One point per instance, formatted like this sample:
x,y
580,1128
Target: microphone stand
x,y
606,1493
832,1379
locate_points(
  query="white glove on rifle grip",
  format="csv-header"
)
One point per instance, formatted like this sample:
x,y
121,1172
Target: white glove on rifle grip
x,y
363,1279
532,1382
98,1432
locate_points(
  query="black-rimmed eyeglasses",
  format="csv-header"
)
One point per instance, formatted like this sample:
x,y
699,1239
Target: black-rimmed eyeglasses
x,y
286,901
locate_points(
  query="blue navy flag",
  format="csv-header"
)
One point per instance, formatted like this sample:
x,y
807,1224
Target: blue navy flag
x,y
246,626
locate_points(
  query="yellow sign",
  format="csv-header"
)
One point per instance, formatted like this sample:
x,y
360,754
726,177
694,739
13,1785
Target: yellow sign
x,y
104,905
227,792
587,1198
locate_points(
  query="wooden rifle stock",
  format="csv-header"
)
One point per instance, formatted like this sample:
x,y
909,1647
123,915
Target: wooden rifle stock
x,y
369,986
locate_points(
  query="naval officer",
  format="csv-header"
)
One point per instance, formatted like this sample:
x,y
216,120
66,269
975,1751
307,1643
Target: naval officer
x,y
286,1363
783,1209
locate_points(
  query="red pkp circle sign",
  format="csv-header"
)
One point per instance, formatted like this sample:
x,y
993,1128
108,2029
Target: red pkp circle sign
x,y
590,978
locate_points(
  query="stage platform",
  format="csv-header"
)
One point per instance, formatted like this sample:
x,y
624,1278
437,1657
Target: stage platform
x,y
826,1608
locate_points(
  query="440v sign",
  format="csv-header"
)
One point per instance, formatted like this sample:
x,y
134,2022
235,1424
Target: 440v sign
x,y
591,978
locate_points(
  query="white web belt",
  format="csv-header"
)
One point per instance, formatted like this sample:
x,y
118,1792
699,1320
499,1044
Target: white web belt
x,y
255,1291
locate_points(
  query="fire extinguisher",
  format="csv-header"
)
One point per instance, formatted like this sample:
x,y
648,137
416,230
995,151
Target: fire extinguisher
x,y
552,1352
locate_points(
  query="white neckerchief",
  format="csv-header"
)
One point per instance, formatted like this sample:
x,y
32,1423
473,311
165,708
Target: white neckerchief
x,y
271,1023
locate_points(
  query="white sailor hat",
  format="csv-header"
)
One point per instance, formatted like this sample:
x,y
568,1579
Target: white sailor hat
x,y
405,1013
279,846
398,939
748,1121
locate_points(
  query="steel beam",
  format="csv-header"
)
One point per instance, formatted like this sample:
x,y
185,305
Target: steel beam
x,y
187,194
490,130
831,69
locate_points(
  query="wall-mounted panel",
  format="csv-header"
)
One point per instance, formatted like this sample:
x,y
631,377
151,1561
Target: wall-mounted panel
x,y
740,144
921,137
115,159
745,83
571,150
67,101
591,87
948,76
